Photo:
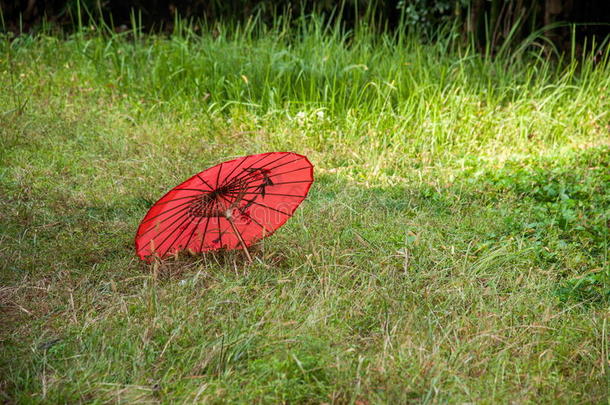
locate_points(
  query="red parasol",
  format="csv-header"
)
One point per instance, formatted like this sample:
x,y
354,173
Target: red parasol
x,y
228,206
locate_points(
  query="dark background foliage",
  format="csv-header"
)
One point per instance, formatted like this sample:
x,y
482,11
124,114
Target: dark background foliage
x,y
488,22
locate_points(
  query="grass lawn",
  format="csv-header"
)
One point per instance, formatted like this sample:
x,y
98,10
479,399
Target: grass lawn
x,y
453,248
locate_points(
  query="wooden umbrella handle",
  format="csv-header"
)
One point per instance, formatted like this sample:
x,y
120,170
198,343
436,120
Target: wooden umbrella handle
x,y
229,218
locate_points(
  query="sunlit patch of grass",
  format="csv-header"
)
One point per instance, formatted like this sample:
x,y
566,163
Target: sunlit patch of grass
x,y
453,248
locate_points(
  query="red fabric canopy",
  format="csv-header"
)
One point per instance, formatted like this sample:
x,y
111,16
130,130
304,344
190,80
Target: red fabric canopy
x,y
230,205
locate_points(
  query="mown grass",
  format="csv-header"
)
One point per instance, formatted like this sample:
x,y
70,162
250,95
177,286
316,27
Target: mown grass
x,y
454,247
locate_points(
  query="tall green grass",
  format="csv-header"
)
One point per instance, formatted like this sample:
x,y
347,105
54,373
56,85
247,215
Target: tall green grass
x,y
421,96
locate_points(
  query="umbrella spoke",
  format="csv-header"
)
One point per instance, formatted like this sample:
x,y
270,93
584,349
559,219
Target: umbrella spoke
x,y
242,176
186,245
278,184
266,206
276,194
218,176
251,173
279,174
175,239
185,216
217,203
164,219
176,199
290,171
192,189
205,231
293,182
257,223
231,172
205,182
256,163
267,232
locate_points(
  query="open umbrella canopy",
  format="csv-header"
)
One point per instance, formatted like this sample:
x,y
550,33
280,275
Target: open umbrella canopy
x,y
230,205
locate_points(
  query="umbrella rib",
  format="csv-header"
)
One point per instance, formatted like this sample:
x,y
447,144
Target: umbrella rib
x,y
177,237
164,219
234,187
278,174
255,221
266,206
176,199
248,174
205,230
164,229
186,245
232,171
293,182
227,180
279,184
241,176
277,194
216,201
290,171
267,232
286,163
193,189
205,182
168,210
218,175
245,177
